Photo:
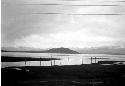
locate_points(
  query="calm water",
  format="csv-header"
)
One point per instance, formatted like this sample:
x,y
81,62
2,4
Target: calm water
x,y
66,59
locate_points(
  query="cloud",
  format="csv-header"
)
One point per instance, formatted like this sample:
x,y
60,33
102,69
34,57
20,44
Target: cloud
x,y
20,27
70,39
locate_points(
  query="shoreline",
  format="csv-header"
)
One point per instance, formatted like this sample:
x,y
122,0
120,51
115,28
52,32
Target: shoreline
x,y
19,59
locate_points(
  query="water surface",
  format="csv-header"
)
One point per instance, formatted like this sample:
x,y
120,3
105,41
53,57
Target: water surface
x,y
66,59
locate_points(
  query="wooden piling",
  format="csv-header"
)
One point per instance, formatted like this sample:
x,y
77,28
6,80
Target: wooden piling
x,y
91,60
68,59
95,59
25,61
54,62
51,61
40,61
82,60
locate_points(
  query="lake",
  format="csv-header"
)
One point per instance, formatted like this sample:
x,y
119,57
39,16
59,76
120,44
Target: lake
x,y
66,59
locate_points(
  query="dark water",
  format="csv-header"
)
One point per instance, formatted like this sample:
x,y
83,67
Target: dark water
x,y
66,59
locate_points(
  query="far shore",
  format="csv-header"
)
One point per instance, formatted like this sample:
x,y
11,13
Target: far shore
x,y
63,53
18,59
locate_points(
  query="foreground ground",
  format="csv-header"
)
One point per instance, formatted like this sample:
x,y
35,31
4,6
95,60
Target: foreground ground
x,y
77,75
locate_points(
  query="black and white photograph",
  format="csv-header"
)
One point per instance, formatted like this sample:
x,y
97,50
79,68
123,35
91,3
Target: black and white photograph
x,y
62,42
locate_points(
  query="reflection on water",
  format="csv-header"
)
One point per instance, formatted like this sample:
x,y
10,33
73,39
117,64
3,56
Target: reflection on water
x,y
66,59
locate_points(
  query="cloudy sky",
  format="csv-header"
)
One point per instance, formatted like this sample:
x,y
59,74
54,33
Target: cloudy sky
x,y
63,23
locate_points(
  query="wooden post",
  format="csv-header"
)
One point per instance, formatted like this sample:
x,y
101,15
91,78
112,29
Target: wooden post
x,y
82,60
40,61
91,60
95,59
51,61
25,61
54,62
29,63
68,59
60,64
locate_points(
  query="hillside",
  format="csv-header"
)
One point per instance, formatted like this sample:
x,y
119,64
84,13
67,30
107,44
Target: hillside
x,y
61,50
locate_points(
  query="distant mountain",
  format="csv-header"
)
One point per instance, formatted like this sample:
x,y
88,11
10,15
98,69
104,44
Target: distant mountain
x,y
62,50
102,50
95,50
53,50
16,49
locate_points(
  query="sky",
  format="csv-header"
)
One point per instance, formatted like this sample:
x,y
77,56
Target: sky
x,y
62,23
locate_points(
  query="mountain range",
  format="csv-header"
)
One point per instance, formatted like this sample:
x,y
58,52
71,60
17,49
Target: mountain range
x,y
95,50
53,50
102,50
